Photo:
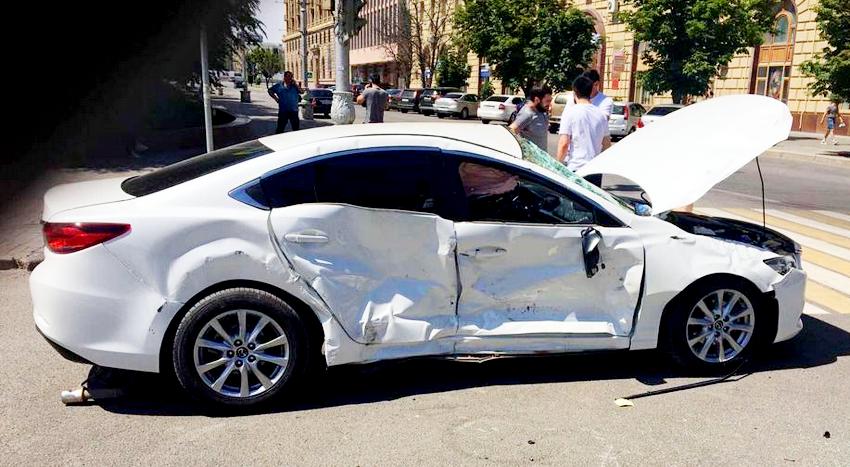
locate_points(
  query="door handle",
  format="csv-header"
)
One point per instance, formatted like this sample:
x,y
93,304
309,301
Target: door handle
x,y
485,252
318,237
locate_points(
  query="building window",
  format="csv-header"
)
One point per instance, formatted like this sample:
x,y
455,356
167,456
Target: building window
x,y
773,69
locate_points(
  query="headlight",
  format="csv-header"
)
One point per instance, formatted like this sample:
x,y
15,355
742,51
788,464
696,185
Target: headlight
x,y
781,264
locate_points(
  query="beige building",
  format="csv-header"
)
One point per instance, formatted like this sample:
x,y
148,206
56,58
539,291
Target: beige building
x,y
771,69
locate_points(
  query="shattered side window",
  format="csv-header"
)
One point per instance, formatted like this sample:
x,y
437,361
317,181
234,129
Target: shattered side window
x,y
532,153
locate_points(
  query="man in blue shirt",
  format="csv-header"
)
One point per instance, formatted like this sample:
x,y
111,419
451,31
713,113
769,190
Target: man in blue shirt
x,y
287,95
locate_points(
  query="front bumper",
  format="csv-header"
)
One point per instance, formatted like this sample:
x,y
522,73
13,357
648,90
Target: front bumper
x,y
790,293
94,309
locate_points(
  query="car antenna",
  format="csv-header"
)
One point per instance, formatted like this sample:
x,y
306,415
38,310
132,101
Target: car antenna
x,y
763,209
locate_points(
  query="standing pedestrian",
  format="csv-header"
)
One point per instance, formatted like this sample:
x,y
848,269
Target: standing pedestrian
x,y
532,121
374,99
832,116
287,94
597,97
584,130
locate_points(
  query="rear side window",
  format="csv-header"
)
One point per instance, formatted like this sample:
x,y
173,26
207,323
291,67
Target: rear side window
x,y
661,110
195,167
497,99
401,179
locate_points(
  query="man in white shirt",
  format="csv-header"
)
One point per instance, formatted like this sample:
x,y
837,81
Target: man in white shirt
x,y
584,130
597,97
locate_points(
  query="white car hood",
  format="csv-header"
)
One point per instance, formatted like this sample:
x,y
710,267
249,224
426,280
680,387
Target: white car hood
x,y
680,157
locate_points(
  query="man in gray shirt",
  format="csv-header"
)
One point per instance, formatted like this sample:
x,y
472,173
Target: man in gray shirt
x,y
532,122
374,99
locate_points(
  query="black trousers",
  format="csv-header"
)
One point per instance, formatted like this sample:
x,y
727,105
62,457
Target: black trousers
x,y
284,116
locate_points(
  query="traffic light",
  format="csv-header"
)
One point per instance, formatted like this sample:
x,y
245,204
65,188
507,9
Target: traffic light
x,y
351,20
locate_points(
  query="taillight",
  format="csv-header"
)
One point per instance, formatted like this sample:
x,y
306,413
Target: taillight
x,y
71,237
640,123
501,106
626,113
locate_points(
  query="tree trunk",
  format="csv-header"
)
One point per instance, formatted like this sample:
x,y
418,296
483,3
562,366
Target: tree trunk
x,y
678,96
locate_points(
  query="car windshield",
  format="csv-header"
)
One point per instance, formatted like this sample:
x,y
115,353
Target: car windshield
x,y
195,167
409,93
497,99
532,153
429,92
661,110
453,95
561,98
321,93
617,109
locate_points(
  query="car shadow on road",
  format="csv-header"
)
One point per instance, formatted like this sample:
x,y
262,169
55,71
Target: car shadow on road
x,y
819,344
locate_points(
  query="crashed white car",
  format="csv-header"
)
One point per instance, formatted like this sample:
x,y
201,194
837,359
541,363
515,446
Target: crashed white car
x,y
241,269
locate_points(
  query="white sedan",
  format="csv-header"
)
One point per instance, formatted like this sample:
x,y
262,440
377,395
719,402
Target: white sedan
x,y
242,269
499,108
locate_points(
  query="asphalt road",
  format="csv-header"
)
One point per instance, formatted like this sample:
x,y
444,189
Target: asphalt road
x,y
529,411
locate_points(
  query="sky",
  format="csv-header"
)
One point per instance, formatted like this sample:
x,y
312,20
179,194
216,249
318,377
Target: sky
x,y
271,14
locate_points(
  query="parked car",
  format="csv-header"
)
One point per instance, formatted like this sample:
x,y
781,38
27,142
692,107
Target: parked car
x,y
429,96
624,118
656,113
559,103
243,269
238,81
322,100
501,108
409,100
457,104
393,96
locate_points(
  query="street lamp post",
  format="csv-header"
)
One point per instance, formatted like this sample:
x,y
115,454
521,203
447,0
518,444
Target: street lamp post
x,y
205,82
346,25
307,110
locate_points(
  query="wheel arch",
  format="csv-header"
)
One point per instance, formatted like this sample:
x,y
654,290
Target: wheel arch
x,y
315,333
767,304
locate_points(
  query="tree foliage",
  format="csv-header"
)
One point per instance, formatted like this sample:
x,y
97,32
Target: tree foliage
x,y
453,68
831,68
528,42
265,62
689,40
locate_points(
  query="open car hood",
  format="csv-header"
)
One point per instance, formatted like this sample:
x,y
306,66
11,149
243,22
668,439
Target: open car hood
x,y
677,159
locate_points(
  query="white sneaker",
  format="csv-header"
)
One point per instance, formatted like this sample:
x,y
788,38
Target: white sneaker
x,y
823,141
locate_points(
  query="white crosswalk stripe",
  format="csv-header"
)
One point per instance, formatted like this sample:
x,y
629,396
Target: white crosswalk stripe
x,y
827,263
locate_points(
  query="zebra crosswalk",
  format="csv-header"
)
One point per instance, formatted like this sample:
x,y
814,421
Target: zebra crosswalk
x,y
825,238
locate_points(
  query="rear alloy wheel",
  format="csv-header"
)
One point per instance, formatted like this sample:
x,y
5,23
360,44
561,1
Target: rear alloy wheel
x,y
239,347
464,114
715,327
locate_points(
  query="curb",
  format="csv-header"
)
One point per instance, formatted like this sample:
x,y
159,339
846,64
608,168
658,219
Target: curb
x,y
803,157
27,264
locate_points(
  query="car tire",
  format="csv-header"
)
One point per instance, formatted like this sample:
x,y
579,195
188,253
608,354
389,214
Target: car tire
x,y
691,336
485,121
281,364
404,111
464,114
439,115
426,113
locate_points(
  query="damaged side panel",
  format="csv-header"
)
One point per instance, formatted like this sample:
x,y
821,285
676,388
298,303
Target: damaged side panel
x,y
528,280
389,277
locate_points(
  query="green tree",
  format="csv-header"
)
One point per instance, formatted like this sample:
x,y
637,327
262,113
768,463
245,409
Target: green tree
x,y
689,40
452,68
265,62
528,42
831,68
486,90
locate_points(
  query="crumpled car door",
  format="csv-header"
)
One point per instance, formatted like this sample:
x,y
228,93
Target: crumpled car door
x,y
388,276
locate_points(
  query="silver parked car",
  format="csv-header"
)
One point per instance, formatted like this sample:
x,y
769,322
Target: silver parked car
x,y
624,118
457,104
659,111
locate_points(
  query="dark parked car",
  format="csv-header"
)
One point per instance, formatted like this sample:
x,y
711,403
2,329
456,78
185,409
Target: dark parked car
x,y
429,96
393,96
409,100
322,100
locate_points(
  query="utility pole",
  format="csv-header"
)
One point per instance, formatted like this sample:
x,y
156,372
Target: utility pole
x,y
346,25
304,77
205,82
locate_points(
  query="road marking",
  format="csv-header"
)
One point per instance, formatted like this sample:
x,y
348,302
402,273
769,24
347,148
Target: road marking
x,y
836,240
804,240
833,280
826,297
836,215
812,309
808,222
819,216
810,255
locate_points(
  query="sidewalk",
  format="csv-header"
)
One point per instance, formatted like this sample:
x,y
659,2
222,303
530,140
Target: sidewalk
x,y
806,147
21,244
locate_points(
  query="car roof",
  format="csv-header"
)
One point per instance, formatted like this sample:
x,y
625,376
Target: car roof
x,y
495,137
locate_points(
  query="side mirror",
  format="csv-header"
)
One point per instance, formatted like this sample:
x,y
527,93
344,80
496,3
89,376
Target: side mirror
x,y
643,210
590,239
